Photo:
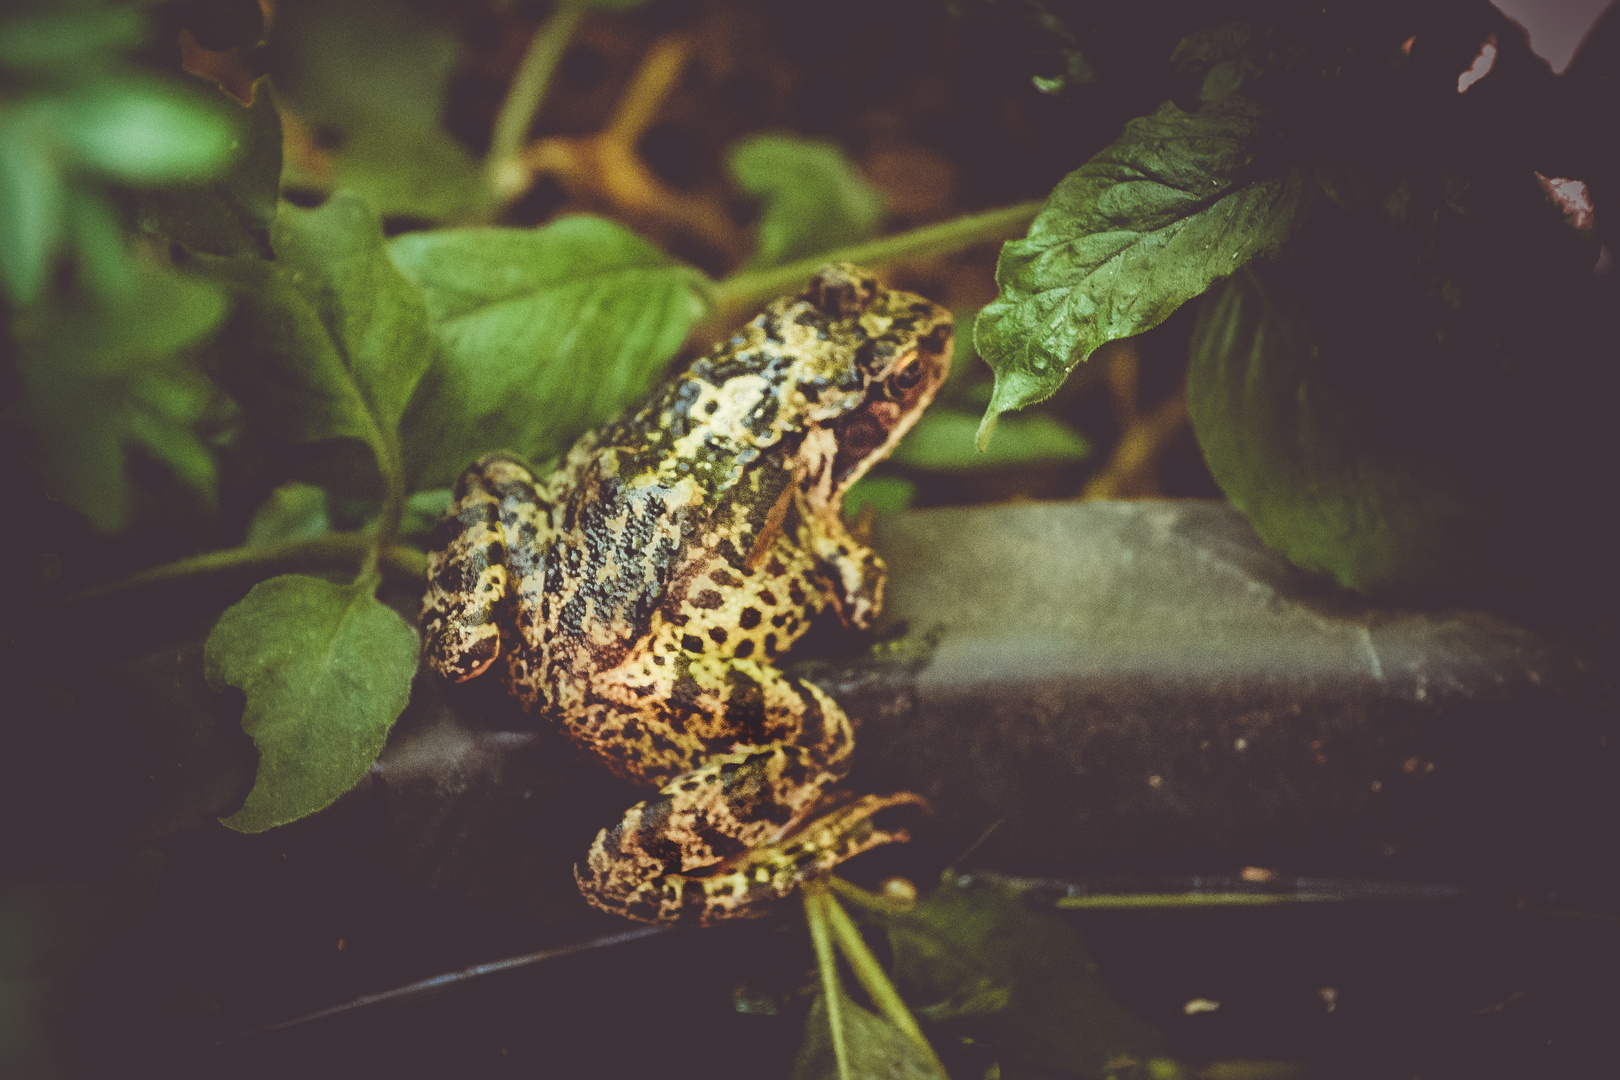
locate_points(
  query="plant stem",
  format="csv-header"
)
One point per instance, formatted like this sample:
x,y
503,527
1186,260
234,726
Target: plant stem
x,y
815,899
1191,899
336,548
872,977
752,287
527,92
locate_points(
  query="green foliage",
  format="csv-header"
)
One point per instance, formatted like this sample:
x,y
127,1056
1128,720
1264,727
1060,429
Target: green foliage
x,y
326,670
541,333
876,1048
1178,201
232,214
371,76
294,511
1020,982
813,198
1293,455
943,441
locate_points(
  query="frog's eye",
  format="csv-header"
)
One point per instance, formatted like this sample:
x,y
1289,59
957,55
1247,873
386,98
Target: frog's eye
x,y
907,376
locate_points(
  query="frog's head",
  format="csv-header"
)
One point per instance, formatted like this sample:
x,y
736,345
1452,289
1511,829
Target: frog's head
x,y
900,344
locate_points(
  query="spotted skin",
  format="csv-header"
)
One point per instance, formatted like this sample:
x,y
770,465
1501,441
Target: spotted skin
x,y
643,592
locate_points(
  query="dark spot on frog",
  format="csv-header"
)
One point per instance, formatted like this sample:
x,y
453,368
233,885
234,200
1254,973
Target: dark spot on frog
x,y
718,634
775,569
744,650
711,407
725,580
769,644
767,598
658,659
779,619
749,618
708,600
692,643
796,595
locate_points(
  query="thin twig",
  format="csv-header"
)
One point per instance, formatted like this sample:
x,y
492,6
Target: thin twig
x,y
506,177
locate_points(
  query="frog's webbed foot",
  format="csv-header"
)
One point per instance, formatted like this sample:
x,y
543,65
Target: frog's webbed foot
x,y
470,584
748,821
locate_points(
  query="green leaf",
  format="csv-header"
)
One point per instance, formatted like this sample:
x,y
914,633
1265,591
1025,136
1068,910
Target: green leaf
x,y
1017,980
1312,473
164,409
542,333
232,214
277,358
326,670
377,319
877,1049
943,441
814,198
411,172
57,36
371,76
885,494
142,130
101,372
1178,201
31,200
293,511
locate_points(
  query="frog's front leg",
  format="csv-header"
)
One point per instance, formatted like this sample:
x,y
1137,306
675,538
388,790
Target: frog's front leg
x,y
854,571
496,523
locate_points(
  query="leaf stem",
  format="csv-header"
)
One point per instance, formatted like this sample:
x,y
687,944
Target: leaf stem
x,y
872,977
751,287
815,913
340,548
524,98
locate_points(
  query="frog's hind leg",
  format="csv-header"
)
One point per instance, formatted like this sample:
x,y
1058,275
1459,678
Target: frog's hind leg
x,y
743,815
470,571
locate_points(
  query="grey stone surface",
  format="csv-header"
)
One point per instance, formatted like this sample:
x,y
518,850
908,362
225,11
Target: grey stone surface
x,y
1146,686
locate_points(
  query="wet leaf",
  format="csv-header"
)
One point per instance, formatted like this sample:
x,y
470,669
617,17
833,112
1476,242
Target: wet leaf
x,y
326,669
1178,201
542,333
814,199
877,1049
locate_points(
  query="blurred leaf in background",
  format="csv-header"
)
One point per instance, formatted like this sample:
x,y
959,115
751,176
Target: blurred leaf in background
x,y
367,81
100,349
812,197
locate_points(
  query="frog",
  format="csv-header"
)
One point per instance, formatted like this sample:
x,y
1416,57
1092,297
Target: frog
x,y
643,593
